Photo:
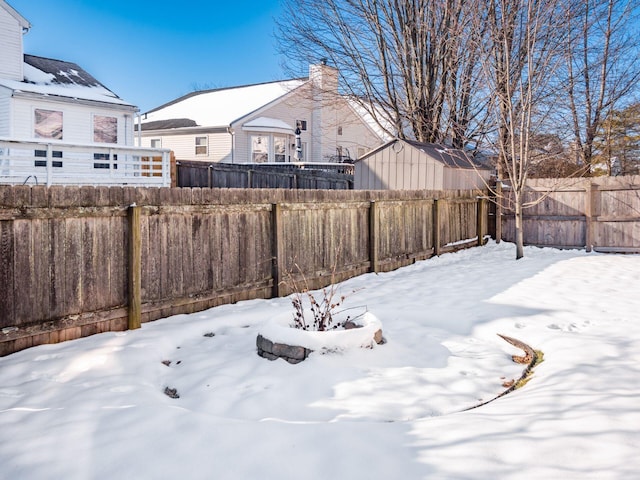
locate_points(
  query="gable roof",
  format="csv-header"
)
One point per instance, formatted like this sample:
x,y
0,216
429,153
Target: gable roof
x,y
451,157
24,23
57,78
167,124
221,107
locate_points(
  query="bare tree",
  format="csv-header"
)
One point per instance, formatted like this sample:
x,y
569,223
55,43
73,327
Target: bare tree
x,y
602,64
520,60
412,64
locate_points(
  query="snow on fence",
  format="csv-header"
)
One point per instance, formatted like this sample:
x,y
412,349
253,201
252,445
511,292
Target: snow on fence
x,y
597,213
81,260
59,163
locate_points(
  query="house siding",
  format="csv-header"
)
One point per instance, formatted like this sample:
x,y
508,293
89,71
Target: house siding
x,y
11,53
219,146
289,110
5,116
77,120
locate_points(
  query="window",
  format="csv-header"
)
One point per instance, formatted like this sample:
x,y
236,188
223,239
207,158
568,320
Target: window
x,y
105,129
48,124
279,148
339,130
105,161
201,145
259,148
156,143
301,124
43,154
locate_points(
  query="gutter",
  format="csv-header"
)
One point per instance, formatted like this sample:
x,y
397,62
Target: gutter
x,y
80,101
231,132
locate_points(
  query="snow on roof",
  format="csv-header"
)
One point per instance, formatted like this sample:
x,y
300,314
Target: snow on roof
x,y
221,107
374,124
46,76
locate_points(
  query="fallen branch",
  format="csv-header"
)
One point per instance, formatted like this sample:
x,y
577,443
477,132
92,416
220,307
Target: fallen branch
x,y
531,358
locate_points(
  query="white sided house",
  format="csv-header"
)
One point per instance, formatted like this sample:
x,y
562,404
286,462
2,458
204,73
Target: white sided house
x,y
410,165
299,120
59,125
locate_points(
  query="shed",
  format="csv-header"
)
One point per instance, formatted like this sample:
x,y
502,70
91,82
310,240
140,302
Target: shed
x,y
410,165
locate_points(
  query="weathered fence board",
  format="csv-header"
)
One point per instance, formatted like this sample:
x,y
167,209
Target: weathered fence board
x,y
599,213
67,265
273,175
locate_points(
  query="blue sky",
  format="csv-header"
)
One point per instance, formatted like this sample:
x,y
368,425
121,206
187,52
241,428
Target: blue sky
x,y
152,51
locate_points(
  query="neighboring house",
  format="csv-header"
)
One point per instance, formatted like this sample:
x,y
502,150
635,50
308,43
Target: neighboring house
x,y
409,165
59,124
258,123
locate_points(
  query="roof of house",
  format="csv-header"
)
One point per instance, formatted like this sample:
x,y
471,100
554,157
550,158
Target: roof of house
x,y
24,23
166,124
57,78
452,157
223,106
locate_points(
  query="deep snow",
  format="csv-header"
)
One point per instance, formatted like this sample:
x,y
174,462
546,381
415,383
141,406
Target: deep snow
x,y
95,408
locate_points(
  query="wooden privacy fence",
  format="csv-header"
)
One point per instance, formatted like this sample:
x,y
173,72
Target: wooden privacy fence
x,y
313,176
78,261
598,213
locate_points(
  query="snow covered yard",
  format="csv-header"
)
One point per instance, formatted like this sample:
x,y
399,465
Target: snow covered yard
x,y
95,408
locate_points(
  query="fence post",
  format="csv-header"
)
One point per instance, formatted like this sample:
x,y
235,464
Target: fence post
x,y
210,176
176,182
373,239
480,221
49,165
436,226
135,268
591,192
276,243
498,201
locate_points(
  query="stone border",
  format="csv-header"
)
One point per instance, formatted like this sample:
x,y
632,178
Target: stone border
x,y
272,351
295,353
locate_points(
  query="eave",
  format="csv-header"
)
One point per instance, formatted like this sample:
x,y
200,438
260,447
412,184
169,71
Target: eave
x,y
182,131
75,100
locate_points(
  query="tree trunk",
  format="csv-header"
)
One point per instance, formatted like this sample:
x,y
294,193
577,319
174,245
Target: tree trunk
x,y
519,227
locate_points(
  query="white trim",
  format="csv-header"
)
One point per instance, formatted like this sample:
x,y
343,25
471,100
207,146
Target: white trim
x,y
24,23
135,166
271,147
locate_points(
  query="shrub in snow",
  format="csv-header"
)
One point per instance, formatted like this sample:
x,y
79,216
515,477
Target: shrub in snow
x,y
317,312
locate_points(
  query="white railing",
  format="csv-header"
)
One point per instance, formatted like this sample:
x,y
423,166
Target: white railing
x,y
59,163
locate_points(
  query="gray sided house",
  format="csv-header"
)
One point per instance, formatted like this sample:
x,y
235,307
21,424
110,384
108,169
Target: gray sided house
x,y
409,165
